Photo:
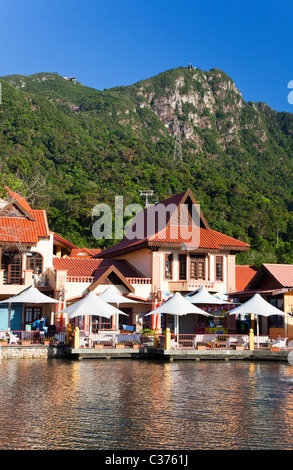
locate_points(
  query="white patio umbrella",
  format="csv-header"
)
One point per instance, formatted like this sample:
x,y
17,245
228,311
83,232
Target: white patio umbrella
x,y
202,296
177,305
258,306
91,304
113,296
30,295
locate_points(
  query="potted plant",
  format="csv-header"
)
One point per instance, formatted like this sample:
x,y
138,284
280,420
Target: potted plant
x,y
239,347
136,345
147,332
3,342
119,345
201,347
98,346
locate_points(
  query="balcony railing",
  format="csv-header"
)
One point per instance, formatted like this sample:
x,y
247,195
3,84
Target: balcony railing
x,y
233,341
26,338
177,286
184,341
129,340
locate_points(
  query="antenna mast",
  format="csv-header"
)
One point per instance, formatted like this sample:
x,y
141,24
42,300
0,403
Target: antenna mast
x,y
147,193
178,147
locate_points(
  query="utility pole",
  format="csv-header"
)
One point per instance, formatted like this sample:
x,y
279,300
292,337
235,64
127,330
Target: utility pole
x,y
178,147
146,194
177,133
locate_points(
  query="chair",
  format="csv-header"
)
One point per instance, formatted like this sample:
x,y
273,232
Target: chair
x,y
174,344
245,341
204,339
261,342
279,343
128,328
13,339
232,341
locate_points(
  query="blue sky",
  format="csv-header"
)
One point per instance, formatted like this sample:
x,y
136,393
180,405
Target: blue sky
x,y
107,43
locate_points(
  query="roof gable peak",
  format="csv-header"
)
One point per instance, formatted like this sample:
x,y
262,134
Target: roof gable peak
x,y
16,206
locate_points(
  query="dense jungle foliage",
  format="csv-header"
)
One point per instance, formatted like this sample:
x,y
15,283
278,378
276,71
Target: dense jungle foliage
x,y
69,147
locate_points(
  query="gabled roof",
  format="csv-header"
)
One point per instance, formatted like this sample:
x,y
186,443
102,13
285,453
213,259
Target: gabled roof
x,y
99,271
243,275
112,274
18,199
280,274
84,252
64,242
173,234
89,267
19,223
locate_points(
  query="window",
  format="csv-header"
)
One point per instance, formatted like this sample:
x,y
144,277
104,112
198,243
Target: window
x,y
32,313
276,321
168,266
34,262
182,267
123,320
197,267
219,268
12,266
101,323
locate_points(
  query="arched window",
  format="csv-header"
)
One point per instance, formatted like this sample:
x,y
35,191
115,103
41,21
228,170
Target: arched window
x,y
34,262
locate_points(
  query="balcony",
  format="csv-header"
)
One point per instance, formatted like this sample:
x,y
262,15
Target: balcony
x,y
189,286
7,288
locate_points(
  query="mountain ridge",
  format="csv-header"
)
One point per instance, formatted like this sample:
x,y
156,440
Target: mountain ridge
x,y
237,156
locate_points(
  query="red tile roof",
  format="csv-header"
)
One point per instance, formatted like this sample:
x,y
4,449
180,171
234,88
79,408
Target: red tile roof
x,y
204,238
201,239
243,275
64,241
84,252
86,267
283,273
23,230
28,227
17,197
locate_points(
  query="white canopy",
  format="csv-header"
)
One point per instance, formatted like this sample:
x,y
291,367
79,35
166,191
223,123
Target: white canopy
x,y
31,295
259,306
113,296
178,305
91,304
202,296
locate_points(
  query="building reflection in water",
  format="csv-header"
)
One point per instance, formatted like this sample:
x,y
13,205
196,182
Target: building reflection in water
x,y
128,404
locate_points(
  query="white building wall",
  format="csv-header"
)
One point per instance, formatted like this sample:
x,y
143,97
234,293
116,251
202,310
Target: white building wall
x,y
45,248
141,260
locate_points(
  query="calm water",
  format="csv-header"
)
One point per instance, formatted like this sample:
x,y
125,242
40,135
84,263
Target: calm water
x,y
142,405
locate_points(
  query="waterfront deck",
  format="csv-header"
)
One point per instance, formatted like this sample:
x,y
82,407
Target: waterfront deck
x,y
81,345
176,354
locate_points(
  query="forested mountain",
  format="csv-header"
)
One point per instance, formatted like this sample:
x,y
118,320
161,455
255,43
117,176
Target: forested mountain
x,y
88,146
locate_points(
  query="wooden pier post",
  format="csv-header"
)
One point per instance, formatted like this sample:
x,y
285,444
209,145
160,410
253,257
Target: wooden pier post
x,y
76,338
251,340
68,334
156,338
168,339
